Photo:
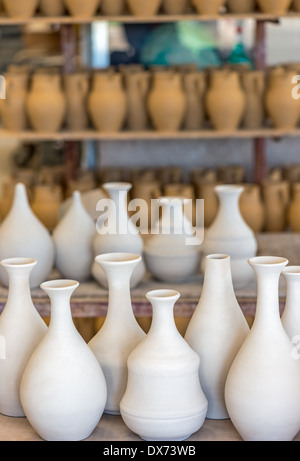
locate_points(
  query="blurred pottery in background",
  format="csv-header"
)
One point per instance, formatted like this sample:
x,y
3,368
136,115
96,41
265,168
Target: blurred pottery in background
x,y
13,107
274,6
112,7
253,83
194,84
175,6
252,207
276,199
20,9
46,204
84,9
52,8
241,6
76,91
204,7
149,8
293,212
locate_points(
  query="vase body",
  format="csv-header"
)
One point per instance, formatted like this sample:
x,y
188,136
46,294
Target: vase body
x,y
210,8
107,103
230,234
253,84
252,207
137,87
46,204
23,235
17,9
74,243
281,107
138,8
120,332
166,101
216,332
225,100
294,209
46,103
112,7
13,108
263,380
81,9
52,8
164,363
291,317
174,6
194,86
63,380
117,234
21,329
241,6
276,199
274,6
76,92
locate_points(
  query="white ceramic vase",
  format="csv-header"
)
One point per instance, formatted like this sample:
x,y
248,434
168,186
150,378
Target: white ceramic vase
x,y
262,387
163,399
291,315
216,332
23,235
73,239
117,233
172,253
230,234
21,330
120,332
63,389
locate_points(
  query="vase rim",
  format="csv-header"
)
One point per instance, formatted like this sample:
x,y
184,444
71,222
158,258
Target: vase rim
x,y
118,258
219,256
117,185
18,262
61,284
229,188
268,261
163,294
291,270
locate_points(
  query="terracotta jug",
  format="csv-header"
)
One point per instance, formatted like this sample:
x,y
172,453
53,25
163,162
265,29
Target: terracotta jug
x,y
175,6
252,207
231,174
225,100
52,8
13,108
107,103
149,8
20,9
46,204
293,214
76,91
276,198
167,101
137,88
210,8
274,6
281,107
85,9
46,103
194,85
296,5
253,83
241,6
112,7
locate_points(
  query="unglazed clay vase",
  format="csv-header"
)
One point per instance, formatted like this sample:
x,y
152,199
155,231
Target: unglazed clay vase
x,y
166,101
174,6
46,204
46,103
23,235
253,84
231,234
291,314
137,88
149,8
225,100
163,362
21,328
116,232
252,207
73,239
293,210
13,107
52,8
241,6
265,376
120,332
85,9
63,380
281,107
194,85
107,102
76,87
274,6
208,8
20,9
112,7
276,199
216,332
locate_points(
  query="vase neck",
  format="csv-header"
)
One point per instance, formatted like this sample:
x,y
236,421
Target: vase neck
x,y
292,277
163,322
20,201
19,282
217,268
118,193
229,201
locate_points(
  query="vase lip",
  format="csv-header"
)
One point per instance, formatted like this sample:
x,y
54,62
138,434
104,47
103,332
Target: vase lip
x,y
163,294
229,188
268,261
118,258
218,256
59,285
171,199
18,262
292,271
117,185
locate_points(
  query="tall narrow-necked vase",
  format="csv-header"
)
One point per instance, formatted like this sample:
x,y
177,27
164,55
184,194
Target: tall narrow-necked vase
x,y
23,235
120,333
21,330
291,315
163,399
216,332
63,389
262,387
230,234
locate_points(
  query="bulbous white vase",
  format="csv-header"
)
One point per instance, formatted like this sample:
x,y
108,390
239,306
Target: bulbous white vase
x,y
117,234
216,332
120,332
163,399
63,389
291,315
73,239
23,235
230,234
21,330
262,387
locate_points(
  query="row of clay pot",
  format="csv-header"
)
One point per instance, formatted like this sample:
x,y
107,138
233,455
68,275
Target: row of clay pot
x,y
89,8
